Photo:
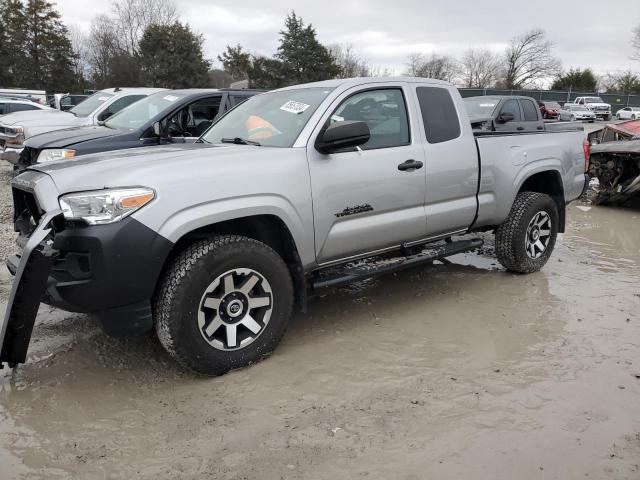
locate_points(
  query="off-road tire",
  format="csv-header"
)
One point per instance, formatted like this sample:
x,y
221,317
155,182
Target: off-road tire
x,y
178,302
510,241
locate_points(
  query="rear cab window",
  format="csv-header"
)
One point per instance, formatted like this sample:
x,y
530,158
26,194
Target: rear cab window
x,y
439,115
530,110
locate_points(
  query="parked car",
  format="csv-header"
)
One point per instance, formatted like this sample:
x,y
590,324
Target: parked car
x,y
596,105
38,96
66,101
15,128
504,114
214,243
573,112
628,113
17,104
549,109
176,116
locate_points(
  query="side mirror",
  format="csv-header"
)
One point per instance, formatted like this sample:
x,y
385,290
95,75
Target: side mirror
x,y
506,117
156,129
343,135
104,115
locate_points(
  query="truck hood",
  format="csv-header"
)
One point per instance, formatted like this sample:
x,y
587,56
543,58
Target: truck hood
x,y
143,166
37,118
71,136
599,105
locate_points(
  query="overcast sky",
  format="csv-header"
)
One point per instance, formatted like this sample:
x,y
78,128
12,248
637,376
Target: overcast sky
x,y
586,33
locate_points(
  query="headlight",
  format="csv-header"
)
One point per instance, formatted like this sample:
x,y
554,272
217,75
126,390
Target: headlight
x,y
18,135
104,206
51,154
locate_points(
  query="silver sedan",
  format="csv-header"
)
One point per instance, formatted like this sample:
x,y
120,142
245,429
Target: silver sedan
x,y
573,112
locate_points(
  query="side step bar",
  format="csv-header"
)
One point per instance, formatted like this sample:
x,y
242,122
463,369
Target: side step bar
x,y
355,273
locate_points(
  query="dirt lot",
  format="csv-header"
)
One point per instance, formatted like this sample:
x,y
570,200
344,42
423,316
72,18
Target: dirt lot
x,y
450,371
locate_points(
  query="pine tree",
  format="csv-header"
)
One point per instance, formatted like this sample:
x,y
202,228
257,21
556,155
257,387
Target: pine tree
x,y
304,58
39,53
171,56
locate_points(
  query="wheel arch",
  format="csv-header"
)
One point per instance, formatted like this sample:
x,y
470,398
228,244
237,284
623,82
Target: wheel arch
x,y
548,182
266,228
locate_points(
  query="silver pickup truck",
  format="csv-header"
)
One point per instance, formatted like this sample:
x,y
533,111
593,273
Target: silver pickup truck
x,y
213,244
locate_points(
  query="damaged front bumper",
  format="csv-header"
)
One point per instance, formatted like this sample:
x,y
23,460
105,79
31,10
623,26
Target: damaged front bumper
x,y
29,284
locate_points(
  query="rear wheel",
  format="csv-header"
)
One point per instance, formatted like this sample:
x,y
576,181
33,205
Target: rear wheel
x,y
224,303
525,241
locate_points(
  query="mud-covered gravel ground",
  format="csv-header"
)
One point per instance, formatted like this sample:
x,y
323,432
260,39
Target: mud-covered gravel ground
x,y
456,370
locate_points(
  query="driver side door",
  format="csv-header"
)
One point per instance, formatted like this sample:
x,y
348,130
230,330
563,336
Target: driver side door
x,y
365,200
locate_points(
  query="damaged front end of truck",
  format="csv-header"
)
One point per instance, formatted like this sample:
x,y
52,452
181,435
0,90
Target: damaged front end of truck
x,y
615,163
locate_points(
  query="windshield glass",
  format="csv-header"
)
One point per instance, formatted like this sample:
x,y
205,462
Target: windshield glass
x,y
273,119
140,112
551,105
480,106
90,104
593,100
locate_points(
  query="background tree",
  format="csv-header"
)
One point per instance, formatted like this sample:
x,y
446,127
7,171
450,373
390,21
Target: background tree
x,y
236,62
267,73
132,17
626,82
529,59
351,64
171,56
102,50
480,68
303,57
438,67
580,80
39,52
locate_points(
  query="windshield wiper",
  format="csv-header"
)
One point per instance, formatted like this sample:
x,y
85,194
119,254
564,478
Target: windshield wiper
x,y
240,141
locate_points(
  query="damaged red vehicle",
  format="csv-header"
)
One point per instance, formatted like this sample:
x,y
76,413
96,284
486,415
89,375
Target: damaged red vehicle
x,y
615,162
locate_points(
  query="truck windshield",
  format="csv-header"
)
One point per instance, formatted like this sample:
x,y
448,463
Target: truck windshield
x,y
593,100
140,112
480,106
272,119
90,104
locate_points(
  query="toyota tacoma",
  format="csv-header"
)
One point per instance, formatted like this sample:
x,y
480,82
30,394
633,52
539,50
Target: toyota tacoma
x,y
213,244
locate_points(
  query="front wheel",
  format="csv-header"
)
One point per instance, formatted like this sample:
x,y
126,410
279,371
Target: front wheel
x,y
224,303
525,240
573,118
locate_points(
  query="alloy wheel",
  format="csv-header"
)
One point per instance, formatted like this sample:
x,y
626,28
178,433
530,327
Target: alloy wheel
x,y
538,235
235,309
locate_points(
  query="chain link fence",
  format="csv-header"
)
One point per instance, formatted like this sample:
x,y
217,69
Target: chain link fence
x,y
616,100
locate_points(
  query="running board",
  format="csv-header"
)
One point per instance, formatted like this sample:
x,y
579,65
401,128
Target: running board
x,y
353,273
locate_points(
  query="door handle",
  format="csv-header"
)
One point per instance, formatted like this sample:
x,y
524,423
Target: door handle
x,y
520,128
410,165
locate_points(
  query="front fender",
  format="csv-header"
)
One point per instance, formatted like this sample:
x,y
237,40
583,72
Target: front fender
x,y
202,215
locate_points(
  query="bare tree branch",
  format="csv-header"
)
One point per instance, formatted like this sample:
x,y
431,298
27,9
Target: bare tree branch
x,y
439,67
351,63
529,59
132,17
480,68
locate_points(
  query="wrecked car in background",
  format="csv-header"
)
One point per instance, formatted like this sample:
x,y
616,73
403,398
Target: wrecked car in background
x,y
615,162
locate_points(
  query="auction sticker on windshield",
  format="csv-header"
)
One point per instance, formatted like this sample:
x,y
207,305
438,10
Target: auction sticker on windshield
x,y
294,107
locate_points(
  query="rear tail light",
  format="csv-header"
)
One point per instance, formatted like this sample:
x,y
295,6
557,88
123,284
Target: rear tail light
x,y
586,146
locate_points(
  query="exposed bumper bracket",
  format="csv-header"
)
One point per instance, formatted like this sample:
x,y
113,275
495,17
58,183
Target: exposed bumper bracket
x,y
28,287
